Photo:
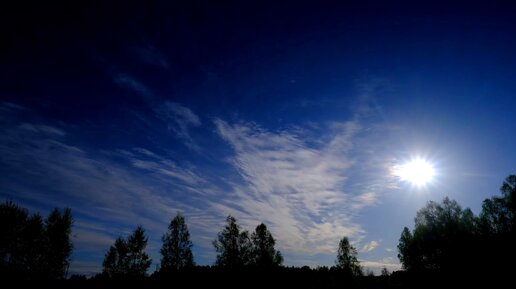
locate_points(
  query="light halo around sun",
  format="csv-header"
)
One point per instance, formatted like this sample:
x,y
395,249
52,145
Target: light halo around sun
x,y
418,172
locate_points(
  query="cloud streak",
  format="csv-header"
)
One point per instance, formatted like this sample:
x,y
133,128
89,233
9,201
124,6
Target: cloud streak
x,y
376,266
179,119
297,185
306,183
368,247
107,191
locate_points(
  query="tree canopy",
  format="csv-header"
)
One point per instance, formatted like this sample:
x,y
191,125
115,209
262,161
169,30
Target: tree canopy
x,y
233,246
447,238
347,258
264,254
176,251
33,248
127,258
497,228
440,238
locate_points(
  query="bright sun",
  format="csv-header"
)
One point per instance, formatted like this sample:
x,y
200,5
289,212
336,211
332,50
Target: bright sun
x,y
418,172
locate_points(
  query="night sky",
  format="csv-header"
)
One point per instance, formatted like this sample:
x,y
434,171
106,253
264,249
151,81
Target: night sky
x,y
290,113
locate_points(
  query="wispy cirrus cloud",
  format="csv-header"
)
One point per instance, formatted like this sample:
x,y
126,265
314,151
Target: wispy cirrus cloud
x,y
297,185
127,81
163,166
107,191
368,247
307,183
41,128
179,118
376,266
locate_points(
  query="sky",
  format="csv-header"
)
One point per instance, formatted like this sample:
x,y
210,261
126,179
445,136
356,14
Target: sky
x,y
291,113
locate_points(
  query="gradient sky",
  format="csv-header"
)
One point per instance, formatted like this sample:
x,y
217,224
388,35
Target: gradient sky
x,y
291,114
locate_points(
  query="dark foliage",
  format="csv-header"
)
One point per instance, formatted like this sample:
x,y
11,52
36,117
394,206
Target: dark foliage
x,y
449,246
497,231
272,277
452,241
127,258
32,248
263,253
177,248
346,260
440,238
234,247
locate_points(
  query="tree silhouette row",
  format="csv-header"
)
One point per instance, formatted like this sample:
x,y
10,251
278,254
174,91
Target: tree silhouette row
x,y
446,239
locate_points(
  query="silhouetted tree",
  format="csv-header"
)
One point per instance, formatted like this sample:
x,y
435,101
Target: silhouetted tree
x,y
116,261
264,253
59,246
498,216
347,258
234,248
35,256
441,239
127,257
405,247
31,248
12,224
497,228
177,247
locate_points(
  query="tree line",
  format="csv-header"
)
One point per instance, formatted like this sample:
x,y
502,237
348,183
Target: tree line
x,y
446,239
235,248
33,248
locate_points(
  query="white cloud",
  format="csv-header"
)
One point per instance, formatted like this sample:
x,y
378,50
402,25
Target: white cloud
x,y
9,106
390,250
180,120
125,80
108,196
181,114
369,247
378,265
296,185
41,128
307,183
365,200
168,168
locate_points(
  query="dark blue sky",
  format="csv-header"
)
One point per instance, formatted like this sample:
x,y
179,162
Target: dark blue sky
x,y
293,113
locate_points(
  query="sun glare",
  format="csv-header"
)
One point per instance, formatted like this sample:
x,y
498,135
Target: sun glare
x,y
418,172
